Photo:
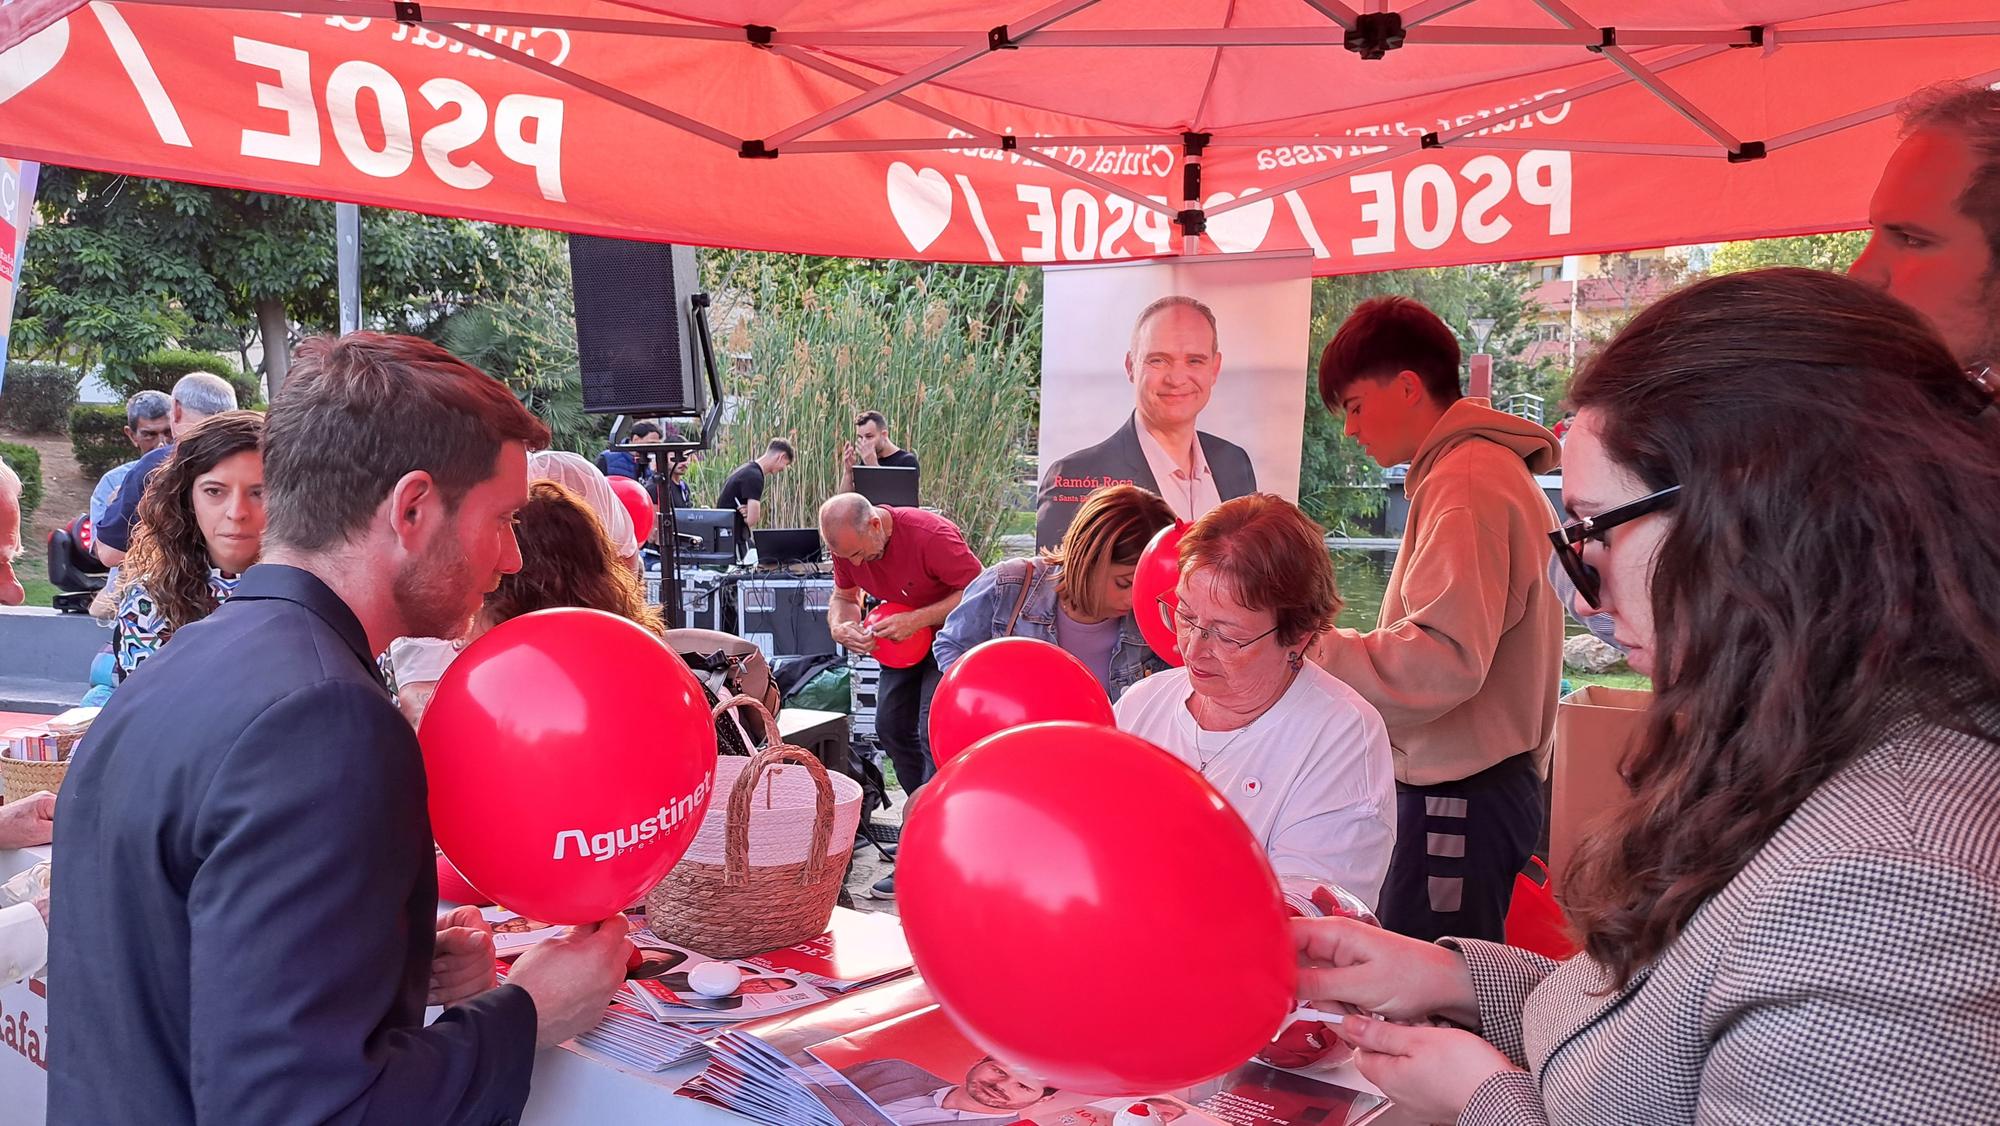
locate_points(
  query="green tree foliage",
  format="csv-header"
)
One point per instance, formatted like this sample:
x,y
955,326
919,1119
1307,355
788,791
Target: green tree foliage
x,y
36,397
1834,253
523,332
120,266
951,354
26,462
97,437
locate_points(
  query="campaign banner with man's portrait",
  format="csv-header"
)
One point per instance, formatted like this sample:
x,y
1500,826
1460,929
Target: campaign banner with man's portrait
x,y
1185,378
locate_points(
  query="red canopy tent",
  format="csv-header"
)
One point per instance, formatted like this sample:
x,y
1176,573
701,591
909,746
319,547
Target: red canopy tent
x,y
1444,131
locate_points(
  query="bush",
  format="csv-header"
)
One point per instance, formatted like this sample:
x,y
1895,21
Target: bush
x,y
159,371
26,463
97,434
36,397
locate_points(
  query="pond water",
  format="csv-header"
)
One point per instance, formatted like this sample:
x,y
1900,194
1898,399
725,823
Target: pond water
x,y
1362,577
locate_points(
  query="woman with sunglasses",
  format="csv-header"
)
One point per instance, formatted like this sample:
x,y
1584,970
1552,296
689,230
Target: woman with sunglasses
x,y
1300,755
1788,504
1078,596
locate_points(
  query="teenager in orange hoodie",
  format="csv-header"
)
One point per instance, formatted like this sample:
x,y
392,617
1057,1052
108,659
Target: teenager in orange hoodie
x,y
1465,660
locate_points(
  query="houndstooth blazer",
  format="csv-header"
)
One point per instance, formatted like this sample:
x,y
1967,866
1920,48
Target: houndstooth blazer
x,y
1849,974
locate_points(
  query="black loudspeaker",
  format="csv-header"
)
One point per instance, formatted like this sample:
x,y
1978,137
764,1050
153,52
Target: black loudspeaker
x,y
635,331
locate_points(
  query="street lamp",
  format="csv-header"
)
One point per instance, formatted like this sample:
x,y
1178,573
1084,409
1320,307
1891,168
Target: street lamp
x,y
1479,370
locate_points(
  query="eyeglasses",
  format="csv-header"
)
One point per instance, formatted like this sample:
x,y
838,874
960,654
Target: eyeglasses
x,y
1187,628
1570,538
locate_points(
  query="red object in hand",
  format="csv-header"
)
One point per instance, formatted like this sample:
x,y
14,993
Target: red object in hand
x,y
570,756
455,887
1159,576
903,654
1040,861
1010,681
633,496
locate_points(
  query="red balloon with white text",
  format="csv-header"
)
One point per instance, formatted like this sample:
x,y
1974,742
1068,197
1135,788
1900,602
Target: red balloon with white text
x,y
570,756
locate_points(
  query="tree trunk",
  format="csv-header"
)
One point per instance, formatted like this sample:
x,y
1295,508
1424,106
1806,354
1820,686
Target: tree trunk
x,y
276,335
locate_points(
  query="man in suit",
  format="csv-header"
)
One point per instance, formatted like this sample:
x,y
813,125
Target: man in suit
x,y
911,1096
244,923
1173,363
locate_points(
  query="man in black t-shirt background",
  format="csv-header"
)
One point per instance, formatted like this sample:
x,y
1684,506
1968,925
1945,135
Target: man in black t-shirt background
x,y
744,489
871,446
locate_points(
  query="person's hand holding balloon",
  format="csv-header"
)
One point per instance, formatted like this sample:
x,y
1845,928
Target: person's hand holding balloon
x,y
896,627
1348,962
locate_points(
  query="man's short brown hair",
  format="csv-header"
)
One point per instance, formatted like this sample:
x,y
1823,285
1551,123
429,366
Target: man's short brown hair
x,y
360,411
1387,335
1973,113
866,417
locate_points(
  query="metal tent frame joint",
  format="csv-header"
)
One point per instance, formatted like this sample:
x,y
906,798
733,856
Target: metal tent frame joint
x,y
409,12
1431,141
1747,152
1607,39
759,34
1756,33
1194,144
997,40
757,150
1192,221
1375,34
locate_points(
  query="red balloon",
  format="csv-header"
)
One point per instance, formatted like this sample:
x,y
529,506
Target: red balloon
x,y
633,496
455,887
570,757
903,654
1159,576
1088,868
1007,682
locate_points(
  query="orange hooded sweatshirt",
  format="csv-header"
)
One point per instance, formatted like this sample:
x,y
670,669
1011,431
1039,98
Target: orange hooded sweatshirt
x,y
1465,661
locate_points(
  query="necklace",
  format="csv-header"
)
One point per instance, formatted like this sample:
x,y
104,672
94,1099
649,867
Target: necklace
x,y
1203,759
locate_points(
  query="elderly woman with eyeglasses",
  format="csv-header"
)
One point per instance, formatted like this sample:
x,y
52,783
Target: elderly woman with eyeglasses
x,y
1300,755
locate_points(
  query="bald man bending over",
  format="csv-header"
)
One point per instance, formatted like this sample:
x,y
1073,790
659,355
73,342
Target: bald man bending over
x,y
908,556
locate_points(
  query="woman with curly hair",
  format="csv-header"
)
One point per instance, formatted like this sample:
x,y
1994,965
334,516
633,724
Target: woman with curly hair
x,y
201,525
1785,497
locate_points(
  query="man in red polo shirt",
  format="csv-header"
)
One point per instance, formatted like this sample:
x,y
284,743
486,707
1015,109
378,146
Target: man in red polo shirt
x,y
908,556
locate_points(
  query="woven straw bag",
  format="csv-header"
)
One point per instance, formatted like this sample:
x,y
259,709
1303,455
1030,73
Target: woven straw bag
x,y
764,868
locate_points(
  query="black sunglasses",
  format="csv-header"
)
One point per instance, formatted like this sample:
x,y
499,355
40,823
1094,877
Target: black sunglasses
x,y
1570,538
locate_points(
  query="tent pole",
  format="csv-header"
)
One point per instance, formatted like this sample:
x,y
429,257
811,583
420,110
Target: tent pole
x,y
347,245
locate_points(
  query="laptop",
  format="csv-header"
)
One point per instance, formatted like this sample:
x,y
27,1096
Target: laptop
x,y
777,547
887,484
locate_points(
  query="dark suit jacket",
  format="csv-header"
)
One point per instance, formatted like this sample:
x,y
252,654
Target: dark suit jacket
x,y
243,917
1120,459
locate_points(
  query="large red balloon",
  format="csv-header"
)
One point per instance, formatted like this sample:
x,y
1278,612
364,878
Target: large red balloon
x,y
570,756
1007,682
1159,576
452,885
633,496
903,654
1058,880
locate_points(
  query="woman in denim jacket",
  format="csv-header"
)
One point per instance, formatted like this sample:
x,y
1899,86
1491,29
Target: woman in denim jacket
x,y
1078,596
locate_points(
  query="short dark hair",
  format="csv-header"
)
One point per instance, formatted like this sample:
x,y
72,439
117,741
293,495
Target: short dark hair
x,y
780,446
640,430
875,417
1973,113
358,412
1386,335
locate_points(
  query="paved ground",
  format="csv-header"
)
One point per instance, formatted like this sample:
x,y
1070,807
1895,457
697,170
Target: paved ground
x,y
869,865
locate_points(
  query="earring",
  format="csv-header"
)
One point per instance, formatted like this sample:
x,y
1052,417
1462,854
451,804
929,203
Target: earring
x,y
1298,659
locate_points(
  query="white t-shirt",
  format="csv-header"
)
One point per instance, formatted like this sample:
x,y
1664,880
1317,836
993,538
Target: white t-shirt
x,y
1312,776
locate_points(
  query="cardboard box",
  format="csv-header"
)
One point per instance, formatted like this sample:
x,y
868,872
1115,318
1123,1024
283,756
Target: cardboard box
x,y
1595,728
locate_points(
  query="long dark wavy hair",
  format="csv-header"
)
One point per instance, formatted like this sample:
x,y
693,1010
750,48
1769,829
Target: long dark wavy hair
x,y
168,552
1830,568
567,560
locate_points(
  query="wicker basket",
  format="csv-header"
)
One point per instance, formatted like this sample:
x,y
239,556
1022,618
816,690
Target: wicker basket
x,y
22,777
765,868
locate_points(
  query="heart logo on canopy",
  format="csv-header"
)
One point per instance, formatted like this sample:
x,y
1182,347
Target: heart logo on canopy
x,y
920,199
1242,229
32,58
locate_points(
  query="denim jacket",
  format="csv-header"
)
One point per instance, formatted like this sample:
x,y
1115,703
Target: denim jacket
x,y
983,612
